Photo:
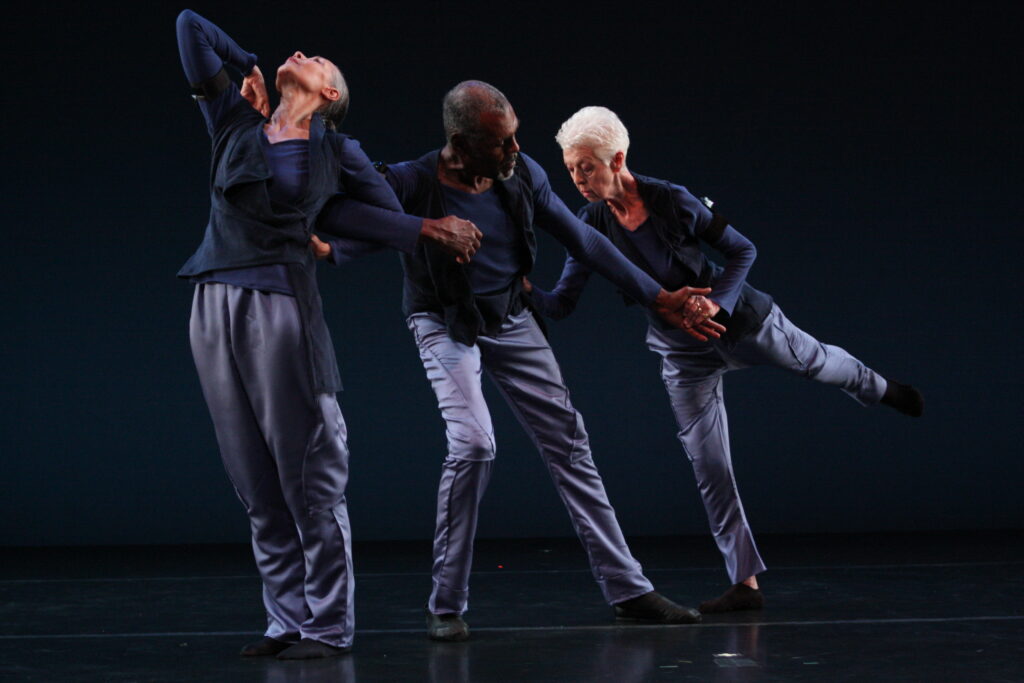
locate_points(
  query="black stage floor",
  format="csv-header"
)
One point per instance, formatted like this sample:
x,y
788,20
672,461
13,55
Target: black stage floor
x,y
921,607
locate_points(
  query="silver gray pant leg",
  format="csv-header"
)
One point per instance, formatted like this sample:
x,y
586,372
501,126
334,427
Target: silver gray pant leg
x,y
520,361
780,343
692,374
454,373
284,451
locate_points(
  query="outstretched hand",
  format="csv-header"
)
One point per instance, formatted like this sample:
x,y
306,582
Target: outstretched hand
x,y
453,234
254,89
691,317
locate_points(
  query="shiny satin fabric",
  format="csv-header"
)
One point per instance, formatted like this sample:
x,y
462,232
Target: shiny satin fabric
x,y
284,449
692,372
521,363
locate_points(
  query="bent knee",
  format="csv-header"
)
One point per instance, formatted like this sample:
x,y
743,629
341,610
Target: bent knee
x,y
473,446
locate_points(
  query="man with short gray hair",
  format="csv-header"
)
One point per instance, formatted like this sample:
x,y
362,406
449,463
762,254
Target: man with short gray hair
x,y
470,317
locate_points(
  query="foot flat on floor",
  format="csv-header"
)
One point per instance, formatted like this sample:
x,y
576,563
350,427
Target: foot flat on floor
x,y
307,648
654,608
738,598
446,628
264,647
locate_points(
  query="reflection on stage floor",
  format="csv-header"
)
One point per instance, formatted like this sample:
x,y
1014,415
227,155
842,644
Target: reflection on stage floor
x,y
928,607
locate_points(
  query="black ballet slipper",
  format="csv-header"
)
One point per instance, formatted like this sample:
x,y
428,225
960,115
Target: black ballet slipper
x,y
738,598
903,398
307,648
264,647
446,628
655,608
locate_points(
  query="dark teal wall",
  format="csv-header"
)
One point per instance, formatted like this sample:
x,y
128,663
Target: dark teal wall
x,y
872,153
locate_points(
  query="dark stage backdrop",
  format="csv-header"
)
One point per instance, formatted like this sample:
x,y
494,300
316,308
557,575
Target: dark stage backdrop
x,y
870,150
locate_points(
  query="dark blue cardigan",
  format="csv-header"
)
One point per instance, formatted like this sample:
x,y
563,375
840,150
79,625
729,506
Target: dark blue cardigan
x,y
244,228
686,223
434,282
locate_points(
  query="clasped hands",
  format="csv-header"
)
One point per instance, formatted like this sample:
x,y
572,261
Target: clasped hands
x,y
690,310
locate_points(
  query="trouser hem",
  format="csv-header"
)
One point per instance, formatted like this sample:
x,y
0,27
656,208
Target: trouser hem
x,y
624,587
334,639
444,600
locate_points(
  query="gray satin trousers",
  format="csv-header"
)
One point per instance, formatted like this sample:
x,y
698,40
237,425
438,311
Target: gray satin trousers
x,y
284,450
523,367
692,372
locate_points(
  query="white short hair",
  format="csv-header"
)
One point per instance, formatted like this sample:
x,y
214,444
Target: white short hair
x,y
597,128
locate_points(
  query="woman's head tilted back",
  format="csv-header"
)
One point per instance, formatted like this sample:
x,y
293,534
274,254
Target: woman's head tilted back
x,y
597,128
317,76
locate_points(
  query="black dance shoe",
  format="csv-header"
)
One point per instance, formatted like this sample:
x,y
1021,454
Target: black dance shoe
x,y
307,648
903,398
265,647
447,628
655,608
738,598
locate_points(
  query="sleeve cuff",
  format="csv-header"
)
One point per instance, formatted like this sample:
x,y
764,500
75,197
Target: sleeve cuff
x,y
409,228
250,62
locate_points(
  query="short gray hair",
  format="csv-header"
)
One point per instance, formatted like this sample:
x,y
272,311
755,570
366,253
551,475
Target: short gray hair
x,y
334,112
464,104
597,128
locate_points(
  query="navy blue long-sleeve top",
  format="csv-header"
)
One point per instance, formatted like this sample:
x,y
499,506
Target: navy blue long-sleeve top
x,y
550,214
500,258
255,219
689,222
205,49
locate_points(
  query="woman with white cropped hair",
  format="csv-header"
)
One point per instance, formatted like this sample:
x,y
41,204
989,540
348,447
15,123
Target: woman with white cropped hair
x,y
659,226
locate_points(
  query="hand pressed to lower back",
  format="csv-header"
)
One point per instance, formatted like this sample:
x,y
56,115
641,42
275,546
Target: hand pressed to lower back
x,y
321,249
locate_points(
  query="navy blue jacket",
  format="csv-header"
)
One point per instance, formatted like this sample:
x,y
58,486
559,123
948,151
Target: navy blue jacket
x,y
435,282
244,227
686,222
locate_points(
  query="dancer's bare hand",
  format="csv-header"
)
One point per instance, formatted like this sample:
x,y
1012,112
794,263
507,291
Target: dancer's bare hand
x,y
671,306
705,329
254,89
321,249
527,285
454,234
699,308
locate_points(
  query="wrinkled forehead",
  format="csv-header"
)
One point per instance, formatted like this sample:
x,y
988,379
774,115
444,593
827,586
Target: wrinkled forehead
x,y
578,154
